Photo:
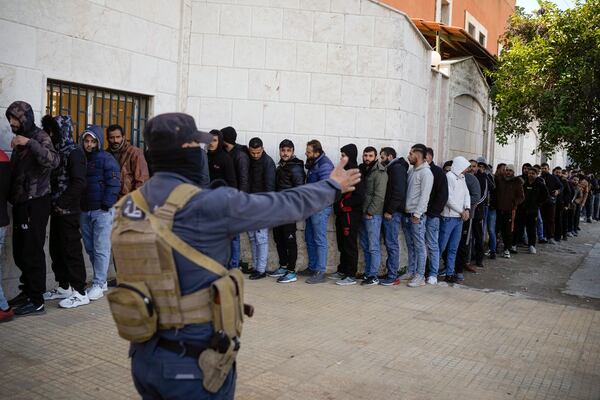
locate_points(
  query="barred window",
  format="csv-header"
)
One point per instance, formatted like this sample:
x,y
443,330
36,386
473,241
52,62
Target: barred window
x,y
93,105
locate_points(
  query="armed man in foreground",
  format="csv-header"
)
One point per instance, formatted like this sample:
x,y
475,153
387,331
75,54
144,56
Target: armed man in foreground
x,y
176,302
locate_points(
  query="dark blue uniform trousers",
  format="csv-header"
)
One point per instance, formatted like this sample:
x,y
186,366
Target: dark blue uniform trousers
x,y
162,374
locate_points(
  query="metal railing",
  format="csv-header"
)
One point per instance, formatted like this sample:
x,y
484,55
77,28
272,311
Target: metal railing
x,y
98,106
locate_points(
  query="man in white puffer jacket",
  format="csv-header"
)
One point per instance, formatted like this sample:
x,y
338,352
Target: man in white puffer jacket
x,y
455,212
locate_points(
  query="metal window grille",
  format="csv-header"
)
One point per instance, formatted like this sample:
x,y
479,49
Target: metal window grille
x,y
89,105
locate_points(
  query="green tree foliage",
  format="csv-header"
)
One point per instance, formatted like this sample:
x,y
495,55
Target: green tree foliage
x,y
549,74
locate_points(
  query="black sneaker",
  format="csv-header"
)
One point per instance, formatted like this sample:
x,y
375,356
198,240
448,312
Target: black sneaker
x,y
30,309
542,241
257,275
245,268
451,278
306,272
370,281
492,256
18,300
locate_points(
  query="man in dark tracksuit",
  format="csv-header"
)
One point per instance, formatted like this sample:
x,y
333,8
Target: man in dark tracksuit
x,y
289,174
165,366
220,164
241,163
348,215
68,182
393,207
437,201
463,255
32,160
536,194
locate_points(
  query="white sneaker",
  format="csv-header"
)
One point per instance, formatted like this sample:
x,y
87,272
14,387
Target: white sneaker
x,y
58,293
105,287
506,254
406,277
432,280
417,281
75,300
532,250
95,292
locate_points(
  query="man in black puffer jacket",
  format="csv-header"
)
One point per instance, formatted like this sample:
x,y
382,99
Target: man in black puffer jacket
x,y
220,164
262,179
393,207
289,174
348,216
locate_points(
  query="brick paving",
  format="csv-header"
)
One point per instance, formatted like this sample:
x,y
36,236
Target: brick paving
x,y
331,342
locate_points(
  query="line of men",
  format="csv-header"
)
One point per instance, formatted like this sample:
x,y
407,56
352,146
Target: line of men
x,y
443,213
75,186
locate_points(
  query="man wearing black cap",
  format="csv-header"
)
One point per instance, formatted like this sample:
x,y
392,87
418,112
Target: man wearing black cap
x,y
207,223
241,163
289,174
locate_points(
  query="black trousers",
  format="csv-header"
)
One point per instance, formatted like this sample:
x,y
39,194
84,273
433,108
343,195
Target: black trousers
x,y
526,221
347,226
66,252
504,222
29,235
462,254
287,247
477,233
569,220
561,222
576,215
550,214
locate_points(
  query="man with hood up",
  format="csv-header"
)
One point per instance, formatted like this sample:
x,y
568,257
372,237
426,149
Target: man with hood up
x,y
348,213
289,174
393,207
68,182
101,192
456,211
134,169
220,164
32,160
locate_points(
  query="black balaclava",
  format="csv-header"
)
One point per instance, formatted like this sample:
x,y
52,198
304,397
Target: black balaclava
x,y
183,161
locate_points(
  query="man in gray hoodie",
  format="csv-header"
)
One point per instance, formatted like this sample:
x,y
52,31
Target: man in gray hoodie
x,y
420,182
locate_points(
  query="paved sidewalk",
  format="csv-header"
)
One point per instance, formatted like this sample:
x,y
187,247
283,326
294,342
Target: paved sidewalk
x,y
330,342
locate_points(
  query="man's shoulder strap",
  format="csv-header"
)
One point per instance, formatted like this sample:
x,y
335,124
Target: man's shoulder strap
x,y
177,199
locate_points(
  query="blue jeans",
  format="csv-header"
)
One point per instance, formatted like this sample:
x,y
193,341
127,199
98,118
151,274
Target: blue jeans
x,y
259,244
370,241
432,236
96,228
491,229
597,206
415,244
234,260
450,233
540,226
3,302
315,235
391,229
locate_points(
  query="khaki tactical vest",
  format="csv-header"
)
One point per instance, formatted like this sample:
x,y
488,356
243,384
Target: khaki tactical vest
x,y
148,295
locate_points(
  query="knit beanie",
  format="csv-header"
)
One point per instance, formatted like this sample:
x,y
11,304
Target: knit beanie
x,y
229,134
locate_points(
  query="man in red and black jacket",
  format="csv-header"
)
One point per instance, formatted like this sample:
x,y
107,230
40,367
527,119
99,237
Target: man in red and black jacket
x,y
348,215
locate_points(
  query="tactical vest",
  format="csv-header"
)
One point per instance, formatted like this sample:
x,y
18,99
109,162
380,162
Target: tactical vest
x,y
148,295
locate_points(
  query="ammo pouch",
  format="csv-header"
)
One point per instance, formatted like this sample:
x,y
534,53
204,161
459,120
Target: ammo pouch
x,y
148,297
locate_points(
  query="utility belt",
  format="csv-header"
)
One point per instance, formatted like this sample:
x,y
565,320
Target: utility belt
x,y
219,342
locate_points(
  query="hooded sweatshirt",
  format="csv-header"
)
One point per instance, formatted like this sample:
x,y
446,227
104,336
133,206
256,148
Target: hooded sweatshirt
x,y
68,180
350,202
221,166
31,164
459,199
420,183
102,176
